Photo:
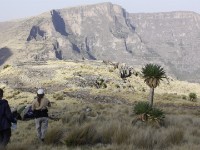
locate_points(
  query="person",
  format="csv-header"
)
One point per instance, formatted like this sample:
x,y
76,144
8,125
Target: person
x,y
40,109
6,118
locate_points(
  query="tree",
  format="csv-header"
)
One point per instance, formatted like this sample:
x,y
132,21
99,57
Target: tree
x,y
152,75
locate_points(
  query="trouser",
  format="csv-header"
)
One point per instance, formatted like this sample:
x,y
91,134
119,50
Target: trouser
x,y
41,126
5,137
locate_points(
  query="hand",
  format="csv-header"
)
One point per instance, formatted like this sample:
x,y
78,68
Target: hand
x,y
43,108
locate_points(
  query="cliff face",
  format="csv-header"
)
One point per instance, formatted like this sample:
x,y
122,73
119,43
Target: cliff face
x,y
175,37
107,32
102,31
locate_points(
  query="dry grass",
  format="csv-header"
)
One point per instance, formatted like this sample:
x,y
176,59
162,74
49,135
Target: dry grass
x,y
54,136
110,129
101,125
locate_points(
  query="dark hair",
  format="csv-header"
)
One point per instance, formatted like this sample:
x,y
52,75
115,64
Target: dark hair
x,y
1,93
39,97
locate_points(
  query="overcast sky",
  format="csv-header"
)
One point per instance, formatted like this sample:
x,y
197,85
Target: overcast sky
x,y
15,9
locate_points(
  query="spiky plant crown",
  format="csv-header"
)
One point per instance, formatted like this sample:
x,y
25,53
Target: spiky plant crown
x,y
153,74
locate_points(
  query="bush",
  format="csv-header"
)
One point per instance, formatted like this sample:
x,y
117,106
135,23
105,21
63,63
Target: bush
x,y
142,108
184,97
125,72
117,85
100,83
147,113
111,70
156,114
6,66
58,96
192,96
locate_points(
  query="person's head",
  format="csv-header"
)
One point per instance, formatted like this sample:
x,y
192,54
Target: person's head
x,y
1,93
40,93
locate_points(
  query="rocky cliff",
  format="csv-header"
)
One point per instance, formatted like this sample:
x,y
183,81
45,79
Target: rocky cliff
x,y
106,32
175,38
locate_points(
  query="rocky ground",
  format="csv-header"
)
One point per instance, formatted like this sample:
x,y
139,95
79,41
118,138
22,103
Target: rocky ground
x,y
92,81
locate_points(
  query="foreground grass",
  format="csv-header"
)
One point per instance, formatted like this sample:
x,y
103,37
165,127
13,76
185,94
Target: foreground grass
x,y
108,126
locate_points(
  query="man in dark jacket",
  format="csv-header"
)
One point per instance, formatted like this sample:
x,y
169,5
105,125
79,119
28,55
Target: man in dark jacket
x,y
6,118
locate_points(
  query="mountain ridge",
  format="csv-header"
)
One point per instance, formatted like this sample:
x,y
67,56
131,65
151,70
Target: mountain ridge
x,y
107,32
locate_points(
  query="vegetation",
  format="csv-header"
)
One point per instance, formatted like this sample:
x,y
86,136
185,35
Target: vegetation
x,y
100,83
110,129
152,75
142,108
58,96
184,97
125,72
192,96
102,118
6,66
147,113
156,115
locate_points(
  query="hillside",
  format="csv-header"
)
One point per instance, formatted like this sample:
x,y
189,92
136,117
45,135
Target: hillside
x,y
94,106
80,79
106,32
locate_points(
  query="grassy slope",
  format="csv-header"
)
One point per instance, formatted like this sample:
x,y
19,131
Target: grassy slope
x,y
111,121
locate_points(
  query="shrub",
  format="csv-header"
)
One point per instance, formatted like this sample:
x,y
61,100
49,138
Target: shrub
x,y
142,108
156,114
192,96
111,70
6,66
125,72
147,113
58,96
16,93
117,85
184,97
100,83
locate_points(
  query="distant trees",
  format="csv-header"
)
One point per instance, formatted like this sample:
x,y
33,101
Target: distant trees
x,y
152,75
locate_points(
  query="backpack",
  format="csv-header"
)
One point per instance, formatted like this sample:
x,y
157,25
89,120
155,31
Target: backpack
x,y
28,113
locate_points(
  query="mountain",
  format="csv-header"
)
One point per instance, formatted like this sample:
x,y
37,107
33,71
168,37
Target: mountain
x,y
173,37
106,32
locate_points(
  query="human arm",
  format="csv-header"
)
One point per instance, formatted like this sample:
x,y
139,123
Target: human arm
x,y
9,114
33,106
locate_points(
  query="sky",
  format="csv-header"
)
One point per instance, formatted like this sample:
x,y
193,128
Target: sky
x,y
16,9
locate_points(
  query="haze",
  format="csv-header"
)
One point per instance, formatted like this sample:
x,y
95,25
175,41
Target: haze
x,y
15,9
